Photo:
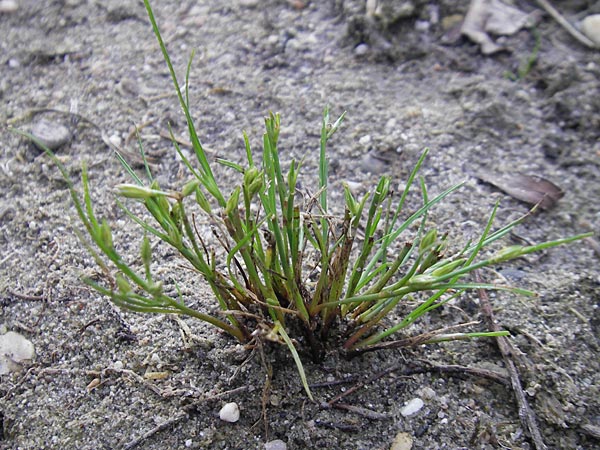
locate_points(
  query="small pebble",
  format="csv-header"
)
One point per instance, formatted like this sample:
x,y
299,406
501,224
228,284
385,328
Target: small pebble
x,y
402,441
412,407
427,393
115,140
230,412
118,365
8,6
365,140
277,444
248,3
14,350
372,163
51,134
93,384
422,25
591,27
361,49
354,186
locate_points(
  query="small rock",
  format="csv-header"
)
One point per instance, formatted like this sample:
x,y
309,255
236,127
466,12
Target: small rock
x,y
51,134
118,365
412,407
365,140
591,27
354,186
15,349
376,162
452,21
8,6
116,140
422,25
427,393
93,384
361,49
402,441
277,444
390,11
249,3
230,412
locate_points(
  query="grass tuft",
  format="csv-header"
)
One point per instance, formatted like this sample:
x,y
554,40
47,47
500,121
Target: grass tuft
x,y
272,235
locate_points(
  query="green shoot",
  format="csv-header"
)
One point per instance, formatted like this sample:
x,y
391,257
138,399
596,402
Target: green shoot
x,y
289,263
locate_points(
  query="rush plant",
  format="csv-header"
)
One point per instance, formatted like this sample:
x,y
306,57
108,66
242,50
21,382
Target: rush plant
x,y
283,267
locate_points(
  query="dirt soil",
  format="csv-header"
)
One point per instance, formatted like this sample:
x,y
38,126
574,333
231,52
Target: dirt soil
x,y
107,379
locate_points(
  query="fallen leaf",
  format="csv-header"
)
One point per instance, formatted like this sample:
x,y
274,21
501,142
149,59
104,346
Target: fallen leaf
x,y
531,189
495,17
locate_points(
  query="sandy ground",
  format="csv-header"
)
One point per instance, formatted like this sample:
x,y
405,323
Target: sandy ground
x,y
94,68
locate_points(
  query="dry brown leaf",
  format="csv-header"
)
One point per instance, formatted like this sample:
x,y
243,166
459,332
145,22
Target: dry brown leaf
x,y
531,189
493,17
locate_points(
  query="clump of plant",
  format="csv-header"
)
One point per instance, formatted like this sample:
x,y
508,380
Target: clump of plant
x,y
287,269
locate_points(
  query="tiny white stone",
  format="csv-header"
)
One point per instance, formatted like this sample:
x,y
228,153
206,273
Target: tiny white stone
x,y
14,350
277,444
422,25
411,407
115,140
361,49
249,3
51,134
8,6
354,187
365,140
118,365
591,27
427,393
230,412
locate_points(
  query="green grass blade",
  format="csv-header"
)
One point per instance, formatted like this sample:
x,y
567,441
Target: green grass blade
x,y
198,149
279,329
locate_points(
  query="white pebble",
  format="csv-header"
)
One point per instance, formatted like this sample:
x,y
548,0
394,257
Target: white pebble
x,y
249,3
427,393
51,134
277,444
361,50
115,140
412,407
422,25
591,27
365,140
230,412
14,350
118,365
354,187
8,6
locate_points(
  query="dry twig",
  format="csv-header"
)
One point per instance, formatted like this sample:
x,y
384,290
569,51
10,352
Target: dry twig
x,y
566,25
426,366
187,409
526,414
